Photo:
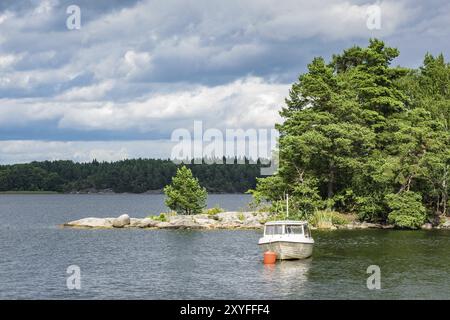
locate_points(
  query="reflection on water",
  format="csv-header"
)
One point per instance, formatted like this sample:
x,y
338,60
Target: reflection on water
x,y
193,264
288,276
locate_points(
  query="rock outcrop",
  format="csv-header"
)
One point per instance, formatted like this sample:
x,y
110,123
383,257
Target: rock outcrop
x,y
122,221
445,224
91,223
364,225
223,220
427,226
147,223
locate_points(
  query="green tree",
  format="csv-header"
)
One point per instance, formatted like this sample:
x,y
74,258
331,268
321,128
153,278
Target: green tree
x,y
407,210
133,175
357,131
185,195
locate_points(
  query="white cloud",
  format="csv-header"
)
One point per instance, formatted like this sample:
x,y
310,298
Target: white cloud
x,y
136,60
87,93
329,20
3,18
244,103
8,60
22,151
147,42
155,66
45,7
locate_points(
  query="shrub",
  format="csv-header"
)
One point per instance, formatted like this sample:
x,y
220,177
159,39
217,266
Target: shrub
x,y
213,211
275,216
162,217
407,210
325,217
321,219
442,220
340,218
371,208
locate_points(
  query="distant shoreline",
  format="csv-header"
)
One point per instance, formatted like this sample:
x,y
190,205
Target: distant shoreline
x,y
28,192
131,176
149,192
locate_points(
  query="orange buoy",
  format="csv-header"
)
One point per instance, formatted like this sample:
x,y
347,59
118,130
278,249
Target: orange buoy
x,y
270,257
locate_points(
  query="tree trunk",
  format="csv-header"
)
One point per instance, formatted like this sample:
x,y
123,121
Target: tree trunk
x,y
331,178
444,200
444,193
406,185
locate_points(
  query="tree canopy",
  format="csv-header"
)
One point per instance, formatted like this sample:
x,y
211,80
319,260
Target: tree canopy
x,y
360,135
134,176
185,195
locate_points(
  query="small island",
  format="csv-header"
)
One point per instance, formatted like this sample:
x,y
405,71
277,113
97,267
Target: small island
x,y
187,200
360,142
222,220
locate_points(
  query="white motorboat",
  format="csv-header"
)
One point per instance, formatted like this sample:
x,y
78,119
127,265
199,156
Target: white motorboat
x,y
288,239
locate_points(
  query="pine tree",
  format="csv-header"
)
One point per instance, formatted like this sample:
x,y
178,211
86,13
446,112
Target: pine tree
x,y
185,195
362,136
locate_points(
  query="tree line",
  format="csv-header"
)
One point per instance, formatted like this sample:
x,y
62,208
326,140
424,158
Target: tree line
x,y
133,176
362,136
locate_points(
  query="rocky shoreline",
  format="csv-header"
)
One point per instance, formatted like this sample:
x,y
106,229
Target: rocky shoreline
x,y
222,220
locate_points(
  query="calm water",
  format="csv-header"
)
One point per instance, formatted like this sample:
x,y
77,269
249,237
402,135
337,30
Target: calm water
x,y
168,264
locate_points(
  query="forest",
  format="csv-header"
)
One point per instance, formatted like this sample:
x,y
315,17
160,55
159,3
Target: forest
x,y
133,176
360,135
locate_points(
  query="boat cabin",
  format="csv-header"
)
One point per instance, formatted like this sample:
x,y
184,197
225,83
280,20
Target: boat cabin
x,y
275,228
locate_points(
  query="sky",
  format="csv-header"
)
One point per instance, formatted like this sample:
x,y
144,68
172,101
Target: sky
x,y
136,71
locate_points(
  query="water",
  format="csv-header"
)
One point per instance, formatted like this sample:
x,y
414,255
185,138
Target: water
x,y
169,264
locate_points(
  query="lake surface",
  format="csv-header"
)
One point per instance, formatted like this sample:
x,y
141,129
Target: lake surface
x,y
176,264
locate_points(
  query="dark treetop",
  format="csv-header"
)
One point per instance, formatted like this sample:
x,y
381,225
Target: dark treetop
x,y
360,135
135,176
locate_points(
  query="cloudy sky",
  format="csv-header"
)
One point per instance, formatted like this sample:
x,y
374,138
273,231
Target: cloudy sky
x,y
137,70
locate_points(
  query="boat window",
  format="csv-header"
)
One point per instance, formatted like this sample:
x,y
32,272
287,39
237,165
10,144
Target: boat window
x,y
307,233
272,230
278,229
294,230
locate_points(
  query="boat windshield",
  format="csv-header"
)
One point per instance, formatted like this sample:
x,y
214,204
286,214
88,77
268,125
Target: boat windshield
x,y
294,229
272,230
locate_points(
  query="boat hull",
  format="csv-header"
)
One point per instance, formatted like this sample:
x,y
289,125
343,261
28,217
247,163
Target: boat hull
x,y
287,250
